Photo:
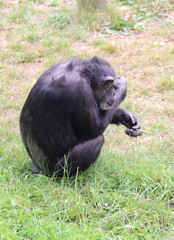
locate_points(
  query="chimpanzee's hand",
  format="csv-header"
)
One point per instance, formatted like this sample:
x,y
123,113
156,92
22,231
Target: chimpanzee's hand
x,y
133,133
129,120
132,123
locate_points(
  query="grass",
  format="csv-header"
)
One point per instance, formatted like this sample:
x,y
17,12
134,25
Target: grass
x,y
129,192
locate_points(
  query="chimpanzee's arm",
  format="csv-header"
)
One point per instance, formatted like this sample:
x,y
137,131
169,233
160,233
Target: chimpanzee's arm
x,y
129,120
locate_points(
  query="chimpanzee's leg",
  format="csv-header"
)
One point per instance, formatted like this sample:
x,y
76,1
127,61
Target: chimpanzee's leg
x,y
80,157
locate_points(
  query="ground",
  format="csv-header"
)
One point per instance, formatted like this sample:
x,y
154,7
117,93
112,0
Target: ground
x,y
128,193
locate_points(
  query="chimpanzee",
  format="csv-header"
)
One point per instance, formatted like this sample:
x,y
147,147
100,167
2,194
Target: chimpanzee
x,y
67,110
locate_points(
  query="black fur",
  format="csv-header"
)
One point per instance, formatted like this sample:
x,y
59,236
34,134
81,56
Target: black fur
x,y
62,123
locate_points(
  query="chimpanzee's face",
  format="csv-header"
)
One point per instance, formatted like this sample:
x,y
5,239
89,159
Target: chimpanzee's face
x,y
110,91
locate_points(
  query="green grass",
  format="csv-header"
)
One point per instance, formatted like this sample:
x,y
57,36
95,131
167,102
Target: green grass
x,y
128,194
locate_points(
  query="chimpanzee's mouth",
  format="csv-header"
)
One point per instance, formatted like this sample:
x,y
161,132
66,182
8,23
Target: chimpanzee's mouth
x,y
110,104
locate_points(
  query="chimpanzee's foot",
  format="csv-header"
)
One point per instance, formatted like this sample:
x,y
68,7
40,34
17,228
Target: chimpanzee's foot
x,y
35,169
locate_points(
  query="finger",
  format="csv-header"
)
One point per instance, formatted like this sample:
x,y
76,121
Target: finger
x,y
137,126
137,133
132,133
133,120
